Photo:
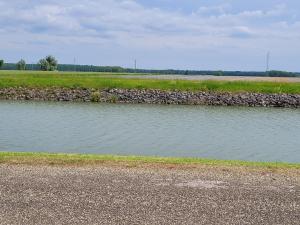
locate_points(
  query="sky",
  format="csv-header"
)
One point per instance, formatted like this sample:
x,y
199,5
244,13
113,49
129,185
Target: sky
x,y
177,34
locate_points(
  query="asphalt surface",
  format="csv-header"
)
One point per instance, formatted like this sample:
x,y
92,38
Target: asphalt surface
x,y
120,195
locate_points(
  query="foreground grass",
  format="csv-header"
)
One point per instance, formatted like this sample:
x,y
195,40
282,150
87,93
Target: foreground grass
x,y
91,159
106,80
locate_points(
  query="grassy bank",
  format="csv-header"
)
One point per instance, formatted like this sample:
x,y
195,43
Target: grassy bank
x,y
101,81
90,159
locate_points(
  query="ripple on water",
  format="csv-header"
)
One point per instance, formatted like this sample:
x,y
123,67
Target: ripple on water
x,y
259,134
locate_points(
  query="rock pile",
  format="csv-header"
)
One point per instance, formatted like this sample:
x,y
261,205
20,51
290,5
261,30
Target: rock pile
x,y
152,96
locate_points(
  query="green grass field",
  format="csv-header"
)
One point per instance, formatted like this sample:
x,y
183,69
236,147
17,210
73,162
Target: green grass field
x,y
39,79
90,159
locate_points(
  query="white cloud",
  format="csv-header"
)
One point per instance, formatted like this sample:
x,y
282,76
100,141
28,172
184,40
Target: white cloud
x,y
215,9
126,23
112,16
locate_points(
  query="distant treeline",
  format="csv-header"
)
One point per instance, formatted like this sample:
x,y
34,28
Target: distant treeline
x,y
117,69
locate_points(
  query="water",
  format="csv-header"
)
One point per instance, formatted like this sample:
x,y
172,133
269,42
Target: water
x,y
258,134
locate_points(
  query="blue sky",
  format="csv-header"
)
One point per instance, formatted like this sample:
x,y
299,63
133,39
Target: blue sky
x,y
179,34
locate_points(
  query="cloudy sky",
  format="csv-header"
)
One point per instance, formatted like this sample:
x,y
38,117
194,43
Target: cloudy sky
x,y
179,34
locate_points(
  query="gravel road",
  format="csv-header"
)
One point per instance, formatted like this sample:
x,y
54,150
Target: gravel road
x,y
111,194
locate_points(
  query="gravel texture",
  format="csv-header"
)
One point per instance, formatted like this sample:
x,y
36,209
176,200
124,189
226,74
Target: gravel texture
x,y
151,96
119,195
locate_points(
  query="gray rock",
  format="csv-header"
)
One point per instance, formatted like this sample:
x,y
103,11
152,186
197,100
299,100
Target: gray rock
x,y
151,96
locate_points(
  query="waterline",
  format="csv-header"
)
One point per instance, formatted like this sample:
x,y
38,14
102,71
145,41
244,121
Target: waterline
x,y
255,134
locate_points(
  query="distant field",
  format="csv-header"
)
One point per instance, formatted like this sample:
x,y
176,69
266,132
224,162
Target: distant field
x,y
45,73
39,79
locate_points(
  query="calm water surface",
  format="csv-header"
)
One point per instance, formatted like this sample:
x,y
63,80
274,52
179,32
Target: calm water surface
x,y
260,134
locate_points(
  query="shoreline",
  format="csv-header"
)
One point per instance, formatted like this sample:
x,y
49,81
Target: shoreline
x,y
64,159
151,96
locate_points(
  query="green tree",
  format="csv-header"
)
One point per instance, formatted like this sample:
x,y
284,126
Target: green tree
x,y
278,73
44,65
48,64
219,73
1,62
21,65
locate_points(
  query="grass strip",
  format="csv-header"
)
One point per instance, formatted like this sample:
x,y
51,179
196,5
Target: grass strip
x,y
98,81
92,159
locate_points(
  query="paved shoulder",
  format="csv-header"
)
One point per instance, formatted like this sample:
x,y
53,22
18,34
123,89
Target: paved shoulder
x,y
116,195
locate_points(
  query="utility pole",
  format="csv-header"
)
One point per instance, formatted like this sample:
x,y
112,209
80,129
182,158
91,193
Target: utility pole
x,y
74,64
268,61
135,65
